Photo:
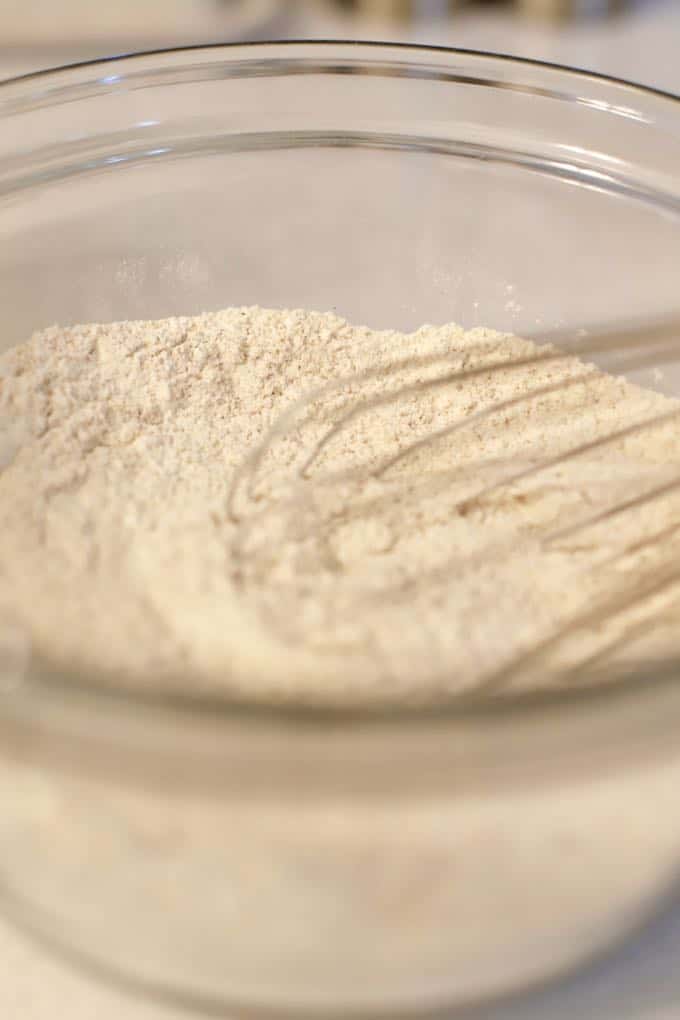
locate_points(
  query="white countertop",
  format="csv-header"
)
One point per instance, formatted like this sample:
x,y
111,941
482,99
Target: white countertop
x,y
643,981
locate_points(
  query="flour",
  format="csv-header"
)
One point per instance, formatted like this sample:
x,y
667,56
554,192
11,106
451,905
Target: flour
x,y
142,542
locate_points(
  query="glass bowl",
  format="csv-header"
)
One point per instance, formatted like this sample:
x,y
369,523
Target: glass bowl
x,y
229,855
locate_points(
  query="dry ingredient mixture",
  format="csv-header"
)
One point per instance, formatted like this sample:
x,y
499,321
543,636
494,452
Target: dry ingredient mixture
x,y
274,504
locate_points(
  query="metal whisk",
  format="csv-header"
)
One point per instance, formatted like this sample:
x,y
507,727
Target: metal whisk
x,y
329,411
638,346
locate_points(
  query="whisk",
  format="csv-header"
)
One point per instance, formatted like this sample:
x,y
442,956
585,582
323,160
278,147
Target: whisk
x,y
332,409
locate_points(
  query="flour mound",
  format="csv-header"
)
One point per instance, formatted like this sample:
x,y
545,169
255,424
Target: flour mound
x,y
273,504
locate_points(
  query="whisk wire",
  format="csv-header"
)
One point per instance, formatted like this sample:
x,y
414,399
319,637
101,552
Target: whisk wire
x,y
636,347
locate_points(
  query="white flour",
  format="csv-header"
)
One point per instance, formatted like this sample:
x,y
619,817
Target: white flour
x,y
134,541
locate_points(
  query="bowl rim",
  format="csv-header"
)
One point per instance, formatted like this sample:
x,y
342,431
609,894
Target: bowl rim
x,y
466,707
582,74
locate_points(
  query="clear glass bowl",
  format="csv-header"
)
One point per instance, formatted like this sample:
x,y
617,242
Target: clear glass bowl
x,y
226,855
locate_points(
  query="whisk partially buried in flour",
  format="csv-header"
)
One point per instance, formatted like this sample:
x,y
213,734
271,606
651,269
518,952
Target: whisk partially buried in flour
x,y
302,499
638,347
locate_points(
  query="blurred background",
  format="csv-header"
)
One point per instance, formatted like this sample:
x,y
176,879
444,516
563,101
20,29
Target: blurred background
x,y
635,39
